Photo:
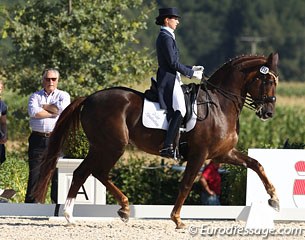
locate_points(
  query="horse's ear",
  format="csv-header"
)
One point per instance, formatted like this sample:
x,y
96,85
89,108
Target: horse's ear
x,y
273,59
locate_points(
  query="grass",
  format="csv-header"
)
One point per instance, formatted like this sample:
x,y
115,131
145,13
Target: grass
x,y
291,94
291,89
290,101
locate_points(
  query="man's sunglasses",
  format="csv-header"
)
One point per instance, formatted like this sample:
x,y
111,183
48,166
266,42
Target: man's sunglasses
x,y
49,79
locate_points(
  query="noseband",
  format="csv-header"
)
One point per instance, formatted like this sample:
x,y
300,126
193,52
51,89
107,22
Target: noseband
x,y
257,104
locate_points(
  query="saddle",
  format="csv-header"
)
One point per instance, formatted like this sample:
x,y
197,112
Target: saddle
x,y
190,94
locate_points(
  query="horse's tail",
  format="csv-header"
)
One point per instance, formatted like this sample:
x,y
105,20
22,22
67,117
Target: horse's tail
x,y
68,119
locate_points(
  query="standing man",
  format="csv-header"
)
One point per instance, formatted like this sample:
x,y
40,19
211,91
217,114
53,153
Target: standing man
x,y
169,82
44,108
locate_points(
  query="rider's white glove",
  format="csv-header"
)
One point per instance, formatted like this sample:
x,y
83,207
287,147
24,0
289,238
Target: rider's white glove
x,y
197,68
198,74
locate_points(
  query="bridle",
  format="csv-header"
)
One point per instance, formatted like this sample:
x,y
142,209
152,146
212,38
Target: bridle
x,y
253,104
257,104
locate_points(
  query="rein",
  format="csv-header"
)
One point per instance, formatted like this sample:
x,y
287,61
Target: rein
x,y
226,93
207,102
249,102
204,83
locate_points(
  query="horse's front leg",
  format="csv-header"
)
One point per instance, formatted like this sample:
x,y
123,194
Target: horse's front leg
x,y
191,171
237,158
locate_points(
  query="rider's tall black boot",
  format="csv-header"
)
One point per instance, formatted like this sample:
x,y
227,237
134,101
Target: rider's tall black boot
x,y
173,129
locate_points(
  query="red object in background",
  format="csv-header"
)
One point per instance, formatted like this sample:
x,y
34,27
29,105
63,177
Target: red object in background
x,y
299,187
300,166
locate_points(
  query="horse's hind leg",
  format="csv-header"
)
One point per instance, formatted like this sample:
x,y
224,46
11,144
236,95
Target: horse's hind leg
x,y
124,211
237,158
109,146
79,177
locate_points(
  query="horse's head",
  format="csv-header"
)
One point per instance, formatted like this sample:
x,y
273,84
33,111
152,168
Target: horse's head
x,y
261,87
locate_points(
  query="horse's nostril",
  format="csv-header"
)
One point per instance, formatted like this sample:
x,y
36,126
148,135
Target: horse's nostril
x,y
269,114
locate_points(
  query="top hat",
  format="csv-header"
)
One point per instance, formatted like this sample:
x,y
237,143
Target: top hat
x,y
166,12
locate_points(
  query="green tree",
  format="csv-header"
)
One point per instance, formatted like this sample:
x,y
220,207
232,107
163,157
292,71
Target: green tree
x,y
91,46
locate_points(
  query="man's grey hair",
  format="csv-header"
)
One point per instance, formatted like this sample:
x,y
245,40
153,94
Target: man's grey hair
x,y
44,73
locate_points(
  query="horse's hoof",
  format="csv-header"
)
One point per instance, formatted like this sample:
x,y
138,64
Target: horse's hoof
x,y
123,215
180,225
69,218
177,221
71,224
275,204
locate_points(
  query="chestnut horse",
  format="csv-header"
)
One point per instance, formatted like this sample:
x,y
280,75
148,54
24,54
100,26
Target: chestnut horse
x,y
112,119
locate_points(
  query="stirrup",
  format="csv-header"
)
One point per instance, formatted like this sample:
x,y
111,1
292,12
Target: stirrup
x,y
167,152
170,152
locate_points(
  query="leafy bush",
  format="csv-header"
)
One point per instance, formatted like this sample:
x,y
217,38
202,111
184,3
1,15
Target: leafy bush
x,y
294,145
159,184
145,183
76,145
233,181
14,174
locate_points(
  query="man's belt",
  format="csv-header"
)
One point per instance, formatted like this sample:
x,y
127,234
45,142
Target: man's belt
x,y
42,134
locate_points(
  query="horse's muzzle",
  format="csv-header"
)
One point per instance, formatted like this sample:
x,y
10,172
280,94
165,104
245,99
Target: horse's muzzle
x,y
265,111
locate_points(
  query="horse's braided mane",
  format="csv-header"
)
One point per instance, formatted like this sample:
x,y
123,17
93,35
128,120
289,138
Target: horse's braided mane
x,y
244,61
248,62
241,62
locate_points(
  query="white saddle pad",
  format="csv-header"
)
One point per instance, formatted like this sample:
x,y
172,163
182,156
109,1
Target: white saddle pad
x,y
154,117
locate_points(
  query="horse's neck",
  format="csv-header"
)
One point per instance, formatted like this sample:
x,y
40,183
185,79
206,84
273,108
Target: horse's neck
x,y
230,91
233,75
